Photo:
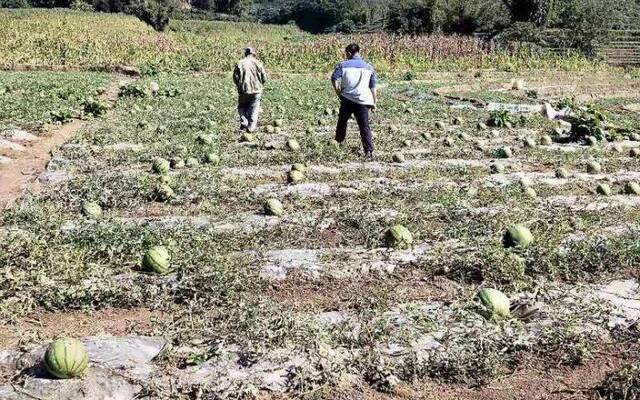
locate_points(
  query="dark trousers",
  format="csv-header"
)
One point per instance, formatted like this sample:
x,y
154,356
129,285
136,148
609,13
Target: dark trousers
x,y
361,112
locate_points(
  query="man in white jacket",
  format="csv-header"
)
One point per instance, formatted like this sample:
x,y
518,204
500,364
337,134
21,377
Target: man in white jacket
x,y
354,81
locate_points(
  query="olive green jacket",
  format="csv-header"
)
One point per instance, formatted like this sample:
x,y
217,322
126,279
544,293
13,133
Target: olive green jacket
x,y
249,76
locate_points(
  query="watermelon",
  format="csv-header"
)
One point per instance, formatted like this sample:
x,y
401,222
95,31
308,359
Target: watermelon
x,y
517,236
273,207
177,163
398,237
530,192
91,209
161,166
604,189
212,158
504,152
247,138
497,168
494,303
632,188
293,145
299,167
164,192
66,358
594,167
530,143
398,157
157,259
562,173
295,177
205,139
166,179
192,162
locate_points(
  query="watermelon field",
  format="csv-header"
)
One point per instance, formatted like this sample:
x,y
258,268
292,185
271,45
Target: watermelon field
x,y
489,251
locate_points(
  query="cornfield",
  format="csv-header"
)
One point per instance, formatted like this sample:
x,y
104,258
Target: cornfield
x,y
98,41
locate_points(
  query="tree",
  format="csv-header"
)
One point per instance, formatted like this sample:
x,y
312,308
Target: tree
x,y
155,13
232,6
413,17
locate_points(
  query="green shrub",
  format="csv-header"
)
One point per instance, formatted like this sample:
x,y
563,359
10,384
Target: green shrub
x,y
155,13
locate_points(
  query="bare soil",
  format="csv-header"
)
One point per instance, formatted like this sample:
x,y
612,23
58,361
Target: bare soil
x,y
327,294
20,175
46,326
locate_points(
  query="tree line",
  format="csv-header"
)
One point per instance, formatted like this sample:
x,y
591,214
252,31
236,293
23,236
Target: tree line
x,y
508,20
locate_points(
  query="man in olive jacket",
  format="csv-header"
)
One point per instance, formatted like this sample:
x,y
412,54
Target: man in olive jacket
x,y
249,77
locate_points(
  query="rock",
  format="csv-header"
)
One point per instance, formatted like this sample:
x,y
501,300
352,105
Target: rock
x,y
279,262
18,135
5,160
633,107
133,353
515,108
127,70
57,163
331,318
8,145
125,147
98,384
229,369
624,296
50,177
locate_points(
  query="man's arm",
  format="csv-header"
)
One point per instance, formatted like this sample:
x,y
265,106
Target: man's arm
x,y
236,75
337,88
263,74
373,85
335,80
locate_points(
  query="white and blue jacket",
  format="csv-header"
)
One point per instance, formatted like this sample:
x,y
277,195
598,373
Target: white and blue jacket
x,y
357,79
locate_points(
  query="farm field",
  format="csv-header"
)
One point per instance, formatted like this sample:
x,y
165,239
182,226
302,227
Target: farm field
x,y
316,303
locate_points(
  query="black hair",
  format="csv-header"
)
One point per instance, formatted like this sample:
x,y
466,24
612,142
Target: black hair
x,y
353,48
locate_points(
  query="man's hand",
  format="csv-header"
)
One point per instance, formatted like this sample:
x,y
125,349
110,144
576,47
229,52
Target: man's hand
x,y
337,88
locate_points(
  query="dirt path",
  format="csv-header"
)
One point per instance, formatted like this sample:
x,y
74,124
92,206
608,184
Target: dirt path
x,y
20,174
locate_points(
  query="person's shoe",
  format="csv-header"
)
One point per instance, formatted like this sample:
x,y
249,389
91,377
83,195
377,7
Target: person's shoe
x,y
369,155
